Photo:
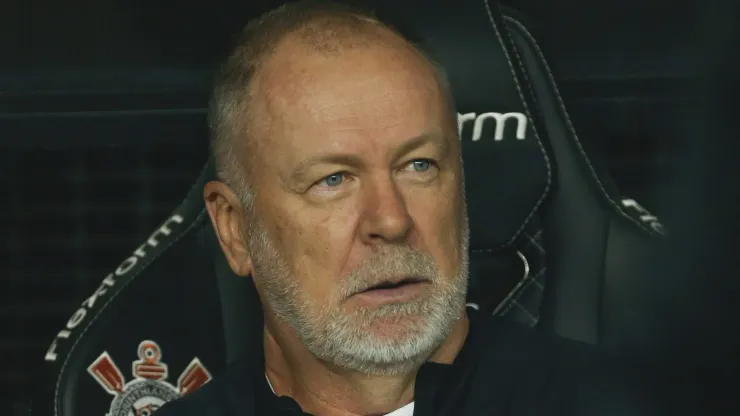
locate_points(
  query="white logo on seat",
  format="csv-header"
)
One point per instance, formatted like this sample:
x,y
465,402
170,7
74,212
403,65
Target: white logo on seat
x,y
501,119
644,215
159,236
149,390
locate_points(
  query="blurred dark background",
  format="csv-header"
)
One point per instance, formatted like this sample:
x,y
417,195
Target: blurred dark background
x,y
102,131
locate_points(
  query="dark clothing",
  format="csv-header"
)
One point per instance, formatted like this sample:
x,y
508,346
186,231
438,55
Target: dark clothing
x,y
503,369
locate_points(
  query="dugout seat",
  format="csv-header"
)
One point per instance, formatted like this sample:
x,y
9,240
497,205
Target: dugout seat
x,y
553,244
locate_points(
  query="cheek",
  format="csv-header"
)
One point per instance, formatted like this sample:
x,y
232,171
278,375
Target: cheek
x,y
438,225
317,245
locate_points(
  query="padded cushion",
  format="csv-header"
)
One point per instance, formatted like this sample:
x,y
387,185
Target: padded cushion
x,y
598,244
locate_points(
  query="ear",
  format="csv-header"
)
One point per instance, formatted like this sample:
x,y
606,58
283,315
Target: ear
x,y
228,219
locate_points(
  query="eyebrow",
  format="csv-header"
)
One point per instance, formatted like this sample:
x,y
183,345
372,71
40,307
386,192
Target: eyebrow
x,y
419,141
300,172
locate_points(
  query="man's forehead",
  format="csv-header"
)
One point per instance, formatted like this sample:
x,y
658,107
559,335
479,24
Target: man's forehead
x,y
329,88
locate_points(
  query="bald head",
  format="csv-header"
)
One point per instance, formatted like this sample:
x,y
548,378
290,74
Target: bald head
x,y
278,50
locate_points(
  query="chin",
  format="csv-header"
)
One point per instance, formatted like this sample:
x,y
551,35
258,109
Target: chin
x,y
386,340
396,325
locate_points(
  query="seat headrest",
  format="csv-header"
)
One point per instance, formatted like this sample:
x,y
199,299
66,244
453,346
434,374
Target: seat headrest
x,y
507,170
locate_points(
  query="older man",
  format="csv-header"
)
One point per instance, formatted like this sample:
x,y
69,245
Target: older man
x,y
341,196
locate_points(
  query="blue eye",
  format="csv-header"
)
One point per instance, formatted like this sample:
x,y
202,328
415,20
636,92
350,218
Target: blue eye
x,y
421,165
333,180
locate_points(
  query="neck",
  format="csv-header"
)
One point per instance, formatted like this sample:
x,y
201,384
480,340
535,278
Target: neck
x,y
323,389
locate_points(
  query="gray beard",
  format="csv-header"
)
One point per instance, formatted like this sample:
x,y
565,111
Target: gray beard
x,y
347,340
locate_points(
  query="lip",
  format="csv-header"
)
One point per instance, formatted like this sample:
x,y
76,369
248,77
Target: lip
x,y
404,293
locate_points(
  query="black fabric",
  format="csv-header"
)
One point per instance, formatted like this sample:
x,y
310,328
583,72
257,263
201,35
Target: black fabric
x,y
503,369
602,298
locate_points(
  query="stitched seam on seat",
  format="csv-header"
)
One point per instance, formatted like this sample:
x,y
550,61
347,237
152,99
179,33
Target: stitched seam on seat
x,y
534,128
526,312
533,241
526,282
517,292
483,250
572,130
197,220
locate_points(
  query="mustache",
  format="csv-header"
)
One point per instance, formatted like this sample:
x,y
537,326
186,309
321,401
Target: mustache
x,y
392,265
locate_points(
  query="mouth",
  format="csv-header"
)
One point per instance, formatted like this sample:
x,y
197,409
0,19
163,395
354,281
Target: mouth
x,y
395,284
393,291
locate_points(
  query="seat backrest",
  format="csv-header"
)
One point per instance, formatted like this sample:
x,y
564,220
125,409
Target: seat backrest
x,y
172,314
599,244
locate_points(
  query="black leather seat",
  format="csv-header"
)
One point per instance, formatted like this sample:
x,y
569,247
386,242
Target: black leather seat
x,y
553,245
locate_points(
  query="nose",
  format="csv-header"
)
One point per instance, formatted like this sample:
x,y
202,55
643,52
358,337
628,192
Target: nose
x,y
386,218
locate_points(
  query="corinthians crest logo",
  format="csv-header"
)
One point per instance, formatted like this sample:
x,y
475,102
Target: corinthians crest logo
x,y
149,389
